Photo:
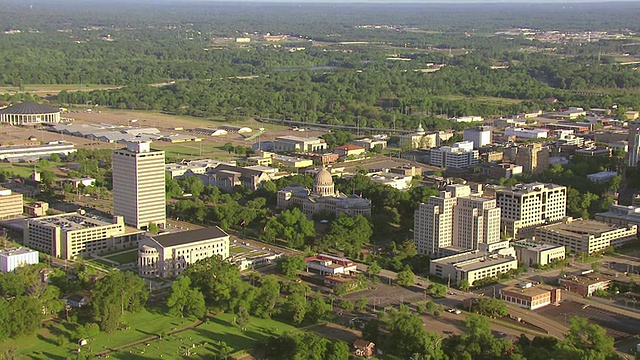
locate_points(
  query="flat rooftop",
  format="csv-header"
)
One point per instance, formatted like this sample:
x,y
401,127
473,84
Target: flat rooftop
x,y
73,221
527,188
297,138
530,291
16,251
581,228
532,245
474,260
190,236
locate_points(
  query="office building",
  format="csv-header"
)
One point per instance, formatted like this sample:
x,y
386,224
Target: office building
x,y
419,139
584,285
620,215
459,155
533,158
11,259
455,221
299,144
169,254
139,186
11,205
634,143
476,220
531,297
586,236
21,152
472,266
525,206
480,136
530,253
67,236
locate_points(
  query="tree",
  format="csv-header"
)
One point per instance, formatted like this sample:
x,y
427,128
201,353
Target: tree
x,y
361,304
490,307
153,228
219,280
437,290
318,309
267,297
54,157
113,294
409,337
374,269
587,340
289,266
347,305
406,277
185,300
297,305
291,225
243,319
464,285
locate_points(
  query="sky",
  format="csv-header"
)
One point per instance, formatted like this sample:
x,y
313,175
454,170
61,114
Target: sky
x,y
422,1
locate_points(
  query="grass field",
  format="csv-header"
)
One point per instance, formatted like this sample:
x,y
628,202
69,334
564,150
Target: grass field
x,y
142,325
238,249
201,150
125,257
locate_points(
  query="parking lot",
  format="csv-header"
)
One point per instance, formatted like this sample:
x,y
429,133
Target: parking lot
x,y
618,326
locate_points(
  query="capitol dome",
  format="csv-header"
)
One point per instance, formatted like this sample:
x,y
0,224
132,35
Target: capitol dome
x,y
323,184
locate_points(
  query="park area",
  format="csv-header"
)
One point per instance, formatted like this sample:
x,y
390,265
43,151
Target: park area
x,y
215,335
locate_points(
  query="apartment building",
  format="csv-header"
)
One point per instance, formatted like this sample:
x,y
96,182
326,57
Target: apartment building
x,y
586,236
525,206
68,235
139,185
169,254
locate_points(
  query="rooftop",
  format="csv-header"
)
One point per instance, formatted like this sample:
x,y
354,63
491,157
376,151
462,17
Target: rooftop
x,y
190,236
28,108
532,245
530,291
298,138
580,227
73,221
474,260
522,189
16,251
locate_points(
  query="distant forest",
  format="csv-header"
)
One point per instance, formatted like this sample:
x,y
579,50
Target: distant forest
x,y
182,57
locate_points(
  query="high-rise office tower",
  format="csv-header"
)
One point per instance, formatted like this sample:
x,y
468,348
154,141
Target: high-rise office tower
x,y
533,158
476,220
433,224
525,206
634,143
138,185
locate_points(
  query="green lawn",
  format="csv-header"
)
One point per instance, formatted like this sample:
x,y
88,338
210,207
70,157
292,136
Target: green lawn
x,y
145,324
238,249
198,150
125,257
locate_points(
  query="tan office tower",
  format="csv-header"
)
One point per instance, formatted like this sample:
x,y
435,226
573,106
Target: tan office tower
x,y
533,158
525,206
476,220
138,185
433,223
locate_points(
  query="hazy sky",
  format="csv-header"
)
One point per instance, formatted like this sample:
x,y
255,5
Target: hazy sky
x,y
423,1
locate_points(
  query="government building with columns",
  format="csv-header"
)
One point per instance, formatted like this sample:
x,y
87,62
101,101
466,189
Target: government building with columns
x,y
323,198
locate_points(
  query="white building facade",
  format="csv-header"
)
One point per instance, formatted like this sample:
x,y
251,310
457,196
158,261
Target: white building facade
x,y
11,259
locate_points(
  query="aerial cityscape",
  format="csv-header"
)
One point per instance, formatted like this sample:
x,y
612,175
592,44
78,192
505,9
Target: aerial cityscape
x,y
319,180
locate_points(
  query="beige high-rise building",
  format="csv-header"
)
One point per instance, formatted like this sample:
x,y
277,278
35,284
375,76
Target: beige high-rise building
x,y
533,158
455,220
476,220
525,206
139,186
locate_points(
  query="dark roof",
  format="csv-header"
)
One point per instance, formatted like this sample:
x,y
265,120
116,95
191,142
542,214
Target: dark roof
x,y
27,108
189,236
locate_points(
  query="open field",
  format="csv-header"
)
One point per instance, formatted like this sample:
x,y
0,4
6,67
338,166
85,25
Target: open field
x,y
43,90
148,324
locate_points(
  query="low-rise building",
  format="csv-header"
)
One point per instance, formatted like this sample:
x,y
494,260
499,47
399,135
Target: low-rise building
x,y
480,136
620,215
396,181
36,152
419,139
69,235
472,266
37,208
226,177
584,285
532,253
330,265
290,161
10,259
364,348
349,150
369,144
297,143
11,205
586,236
167,255
531,297
85,181
504,170
602,176
526,133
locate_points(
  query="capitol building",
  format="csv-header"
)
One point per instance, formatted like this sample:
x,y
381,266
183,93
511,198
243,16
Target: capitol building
x,y
323,198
